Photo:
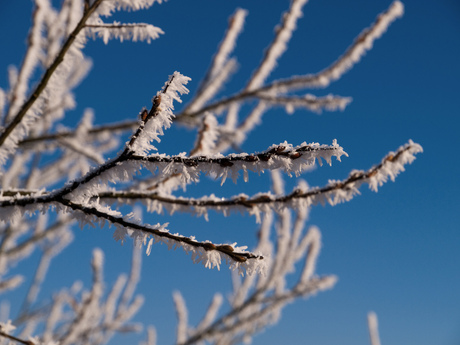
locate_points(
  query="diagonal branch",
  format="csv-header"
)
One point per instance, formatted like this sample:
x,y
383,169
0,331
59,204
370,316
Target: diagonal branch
x,y
89,213
227,45
48,73
278,46
159,232
352,55
16,339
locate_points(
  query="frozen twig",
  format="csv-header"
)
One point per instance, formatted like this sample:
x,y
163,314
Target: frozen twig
x,y
112,128
132,31
278,46
352,55
16,339
226,47
182,317
222,66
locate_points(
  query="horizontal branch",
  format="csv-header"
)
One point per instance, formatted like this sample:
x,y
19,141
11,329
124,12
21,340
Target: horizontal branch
x,y
310,102
291,159
111,127
117,25
284,156
333,193
134,31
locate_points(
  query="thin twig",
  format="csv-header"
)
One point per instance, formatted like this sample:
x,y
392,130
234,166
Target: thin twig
x,y
19,340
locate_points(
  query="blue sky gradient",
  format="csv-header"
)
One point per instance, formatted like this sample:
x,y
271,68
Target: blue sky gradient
x,y
396,252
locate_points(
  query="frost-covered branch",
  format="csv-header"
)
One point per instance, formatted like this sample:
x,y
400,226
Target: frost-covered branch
x,y
226,47
113,128
278,46
352,55
129,31
309,102
42,85
291,159
333,193
210,254
221,67
202,251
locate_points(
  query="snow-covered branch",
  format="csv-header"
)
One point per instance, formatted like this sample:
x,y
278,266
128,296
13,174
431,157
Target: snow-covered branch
x,y
8,140
129,31
309,102
278,46
352,55
291,159
31,142
221,67
209,254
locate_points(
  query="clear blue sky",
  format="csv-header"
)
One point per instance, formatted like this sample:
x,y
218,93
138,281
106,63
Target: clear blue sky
x,y
395,252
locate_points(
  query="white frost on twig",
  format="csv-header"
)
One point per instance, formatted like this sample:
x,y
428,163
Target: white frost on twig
x,y
291,159
163,118
279,45
126,31
107,8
